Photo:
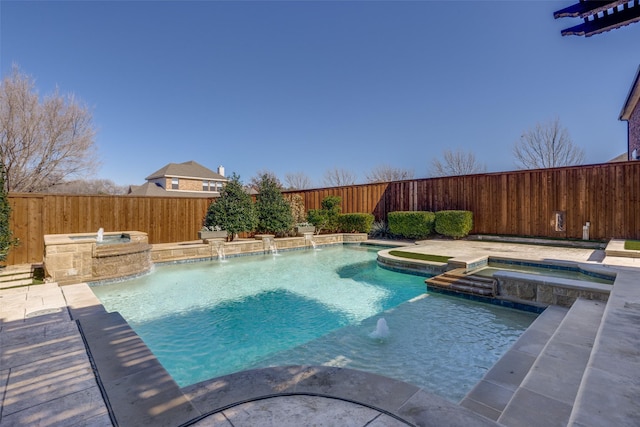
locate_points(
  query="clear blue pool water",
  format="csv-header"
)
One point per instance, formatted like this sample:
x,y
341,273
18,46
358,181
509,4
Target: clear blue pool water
x,y
207,319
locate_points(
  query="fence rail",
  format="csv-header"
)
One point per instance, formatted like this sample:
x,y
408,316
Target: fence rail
x,y
511,203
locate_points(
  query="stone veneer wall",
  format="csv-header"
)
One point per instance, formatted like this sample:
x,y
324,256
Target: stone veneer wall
x,y
544,291
77,258
172,252
634,131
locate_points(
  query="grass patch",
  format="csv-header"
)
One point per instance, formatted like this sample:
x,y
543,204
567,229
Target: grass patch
x,y
632,245
421,257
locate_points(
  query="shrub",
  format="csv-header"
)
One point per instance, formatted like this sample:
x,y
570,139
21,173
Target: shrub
x,y
454,224
273,211
297,207
233,211
327,217
355,222
7,241
379,230
411,224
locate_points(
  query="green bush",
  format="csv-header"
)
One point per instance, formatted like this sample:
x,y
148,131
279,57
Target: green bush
x,y
273,211
7,241
411,224
355,222
327,217
233,211
454,224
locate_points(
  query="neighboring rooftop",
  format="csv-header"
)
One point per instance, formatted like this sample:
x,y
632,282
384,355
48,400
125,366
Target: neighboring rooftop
x,y
188,179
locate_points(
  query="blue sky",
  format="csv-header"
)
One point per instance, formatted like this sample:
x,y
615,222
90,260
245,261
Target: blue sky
x,y
307,86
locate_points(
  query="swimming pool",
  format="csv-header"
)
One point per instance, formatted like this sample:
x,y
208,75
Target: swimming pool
x,y
207,319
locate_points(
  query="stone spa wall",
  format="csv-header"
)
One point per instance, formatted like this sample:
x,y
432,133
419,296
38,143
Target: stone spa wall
x,y
77,258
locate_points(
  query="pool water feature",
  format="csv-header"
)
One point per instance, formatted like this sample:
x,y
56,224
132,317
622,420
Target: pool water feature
x,y
208,319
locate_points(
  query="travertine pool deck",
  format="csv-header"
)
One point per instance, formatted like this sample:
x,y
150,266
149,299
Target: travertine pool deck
x,y
61,354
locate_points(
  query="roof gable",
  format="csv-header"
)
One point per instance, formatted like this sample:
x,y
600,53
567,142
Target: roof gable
x,y
190,169
632,99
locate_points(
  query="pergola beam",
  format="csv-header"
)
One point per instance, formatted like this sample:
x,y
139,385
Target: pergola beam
x,y
600,16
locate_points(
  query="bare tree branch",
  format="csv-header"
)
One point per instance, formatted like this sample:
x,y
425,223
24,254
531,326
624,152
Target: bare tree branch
x,y
547,145
90,186
337,177
385,173
456,163
297,181
42,143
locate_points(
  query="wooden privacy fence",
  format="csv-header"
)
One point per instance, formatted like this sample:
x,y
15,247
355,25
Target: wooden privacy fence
x,y
164,219
522,203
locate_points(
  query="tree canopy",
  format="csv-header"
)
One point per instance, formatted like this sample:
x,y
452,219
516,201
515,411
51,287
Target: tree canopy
x,y
455,163
547,145
6,235
42,141
233,211
386,173
274,213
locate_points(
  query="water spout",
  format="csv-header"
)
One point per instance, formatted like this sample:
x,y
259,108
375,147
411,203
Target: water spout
x,y
382,330
273,248
100,236
308,239
220,248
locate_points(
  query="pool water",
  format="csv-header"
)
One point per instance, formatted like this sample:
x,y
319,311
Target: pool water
x,y
207,319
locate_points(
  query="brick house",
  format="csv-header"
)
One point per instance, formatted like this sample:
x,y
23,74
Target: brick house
x,y
188,179
631,114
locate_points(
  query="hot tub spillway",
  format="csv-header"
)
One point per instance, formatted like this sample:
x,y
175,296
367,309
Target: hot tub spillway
x,y
116,260
76,258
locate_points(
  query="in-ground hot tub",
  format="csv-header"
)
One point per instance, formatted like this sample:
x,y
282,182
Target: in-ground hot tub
x,y
80,257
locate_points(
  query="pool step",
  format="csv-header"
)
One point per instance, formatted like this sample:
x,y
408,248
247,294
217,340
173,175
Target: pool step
x,y
555,377
537,380
16,275
459,281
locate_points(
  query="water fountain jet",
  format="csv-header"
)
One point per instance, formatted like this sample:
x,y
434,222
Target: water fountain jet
x,y
382,330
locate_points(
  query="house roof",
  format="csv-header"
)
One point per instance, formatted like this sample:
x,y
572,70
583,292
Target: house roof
x,y
152,189
624,157
600,16
632,99
188,169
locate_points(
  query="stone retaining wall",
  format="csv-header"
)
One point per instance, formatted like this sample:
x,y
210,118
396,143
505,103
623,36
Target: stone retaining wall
x,y
211,249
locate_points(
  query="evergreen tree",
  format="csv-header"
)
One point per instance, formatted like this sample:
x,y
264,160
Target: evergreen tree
x,y
233,211
6,236
274,212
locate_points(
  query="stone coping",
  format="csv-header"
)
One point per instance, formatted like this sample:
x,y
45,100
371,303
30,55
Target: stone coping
x,y
74,238
616,248
581,285
406,403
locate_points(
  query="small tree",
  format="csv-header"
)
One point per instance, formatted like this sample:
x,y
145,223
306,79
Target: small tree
x,y
547,145
298,211
327,216
7,241
233,211
456,163
274,213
